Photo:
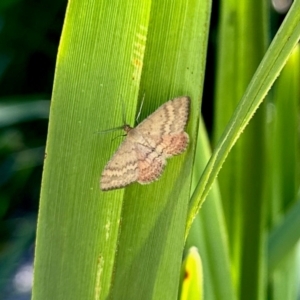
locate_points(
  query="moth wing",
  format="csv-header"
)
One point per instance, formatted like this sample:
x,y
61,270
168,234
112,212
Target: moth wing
x,y
164,129
122,169
150,164
169,118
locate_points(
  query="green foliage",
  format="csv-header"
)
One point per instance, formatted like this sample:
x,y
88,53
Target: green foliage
x,y
135,235
256,182
128,243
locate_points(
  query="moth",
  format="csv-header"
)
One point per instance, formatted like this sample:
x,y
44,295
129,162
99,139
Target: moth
x,y
143,154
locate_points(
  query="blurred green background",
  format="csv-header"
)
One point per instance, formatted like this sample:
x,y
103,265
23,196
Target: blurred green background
x,y
29,38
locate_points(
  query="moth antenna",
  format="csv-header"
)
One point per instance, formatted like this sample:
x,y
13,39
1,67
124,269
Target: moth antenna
x,y
123,112
119,127
118,136
109,130
137,118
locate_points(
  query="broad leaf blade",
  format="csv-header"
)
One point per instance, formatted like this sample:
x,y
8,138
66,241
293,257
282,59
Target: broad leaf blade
x,y
83,233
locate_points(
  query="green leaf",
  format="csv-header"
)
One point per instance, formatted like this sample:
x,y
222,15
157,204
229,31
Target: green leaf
x,y
123,244
192,285
209,233
242,46
284,237
244,182
284,167
268,70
